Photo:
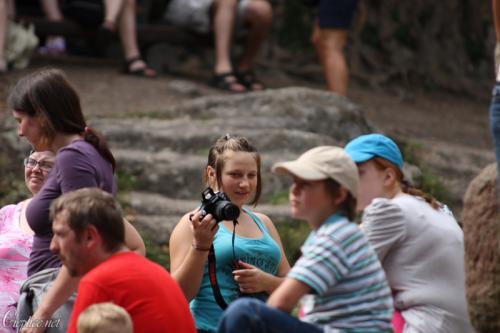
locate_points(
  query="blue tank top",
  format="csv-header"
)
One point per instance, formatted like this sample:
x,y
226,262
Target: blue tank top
x,y
263,253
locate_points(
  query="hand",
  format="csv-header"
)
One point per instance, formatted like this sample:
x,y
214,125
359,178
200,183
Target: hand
x,y
204,229
36,324
250,278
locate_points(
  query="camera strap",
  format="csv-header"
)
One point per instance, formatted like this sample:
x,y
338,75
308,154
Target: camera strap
x,y
212,270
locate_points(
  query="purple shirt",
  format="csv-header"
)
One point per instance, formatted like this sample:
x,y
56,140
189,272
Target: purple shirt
x,y
77,165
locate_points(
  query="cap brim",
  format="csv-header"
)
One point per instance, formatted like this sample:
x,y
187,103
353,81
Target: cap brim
x,y
360,157
299,169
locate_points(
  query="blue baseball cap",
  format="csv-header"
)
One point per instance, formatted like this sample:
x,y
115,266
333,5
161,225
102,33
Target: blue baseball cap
x,y
366,147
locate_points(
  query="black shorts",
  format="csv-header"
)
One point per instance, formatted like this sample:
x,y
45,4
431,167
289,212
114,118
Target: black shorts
x,y
336,13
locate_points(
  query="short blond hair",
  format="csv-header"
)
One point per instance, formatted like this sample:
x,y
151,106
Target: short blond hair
x,y
105,318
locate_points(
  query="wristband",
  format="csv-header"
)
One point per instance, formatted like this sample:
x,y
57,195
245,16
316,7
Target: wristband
x,y
200,248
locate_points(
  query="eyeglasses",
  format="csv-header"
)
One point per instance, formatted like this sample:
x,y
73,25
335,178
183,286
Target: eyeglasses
x,y
42,165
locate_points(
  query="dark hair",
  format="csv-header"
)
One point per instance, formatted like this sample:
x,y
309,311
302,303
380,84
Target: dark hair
x,y
92,206
382,164
348,206
48,95
216,159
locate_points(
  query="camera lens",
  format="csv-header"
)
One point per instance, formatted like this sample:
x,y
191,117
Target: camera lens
x,y
227,211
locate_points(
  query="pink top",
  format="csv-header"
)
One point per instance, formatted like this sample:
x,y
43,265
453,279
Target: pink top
x,y
15,248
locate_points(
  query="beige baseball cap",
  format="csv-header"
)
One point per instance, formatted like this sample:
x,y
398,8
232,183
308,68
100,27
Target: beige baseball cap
x,y
323,162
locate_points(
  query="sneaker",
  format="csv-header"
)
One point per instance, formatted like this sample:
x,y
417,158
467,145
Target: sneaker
x,y
54,46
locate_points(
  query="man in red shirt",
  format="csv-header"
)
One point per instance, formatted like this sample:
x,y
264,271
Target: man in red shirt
x,y
89,238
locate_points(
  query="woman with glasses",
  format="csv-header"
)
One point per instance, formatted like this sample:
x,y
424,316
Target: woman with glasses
x,y
49,115
16,238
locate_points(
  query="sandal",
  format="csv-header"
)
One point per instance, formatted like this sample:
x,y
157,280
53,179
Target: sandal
x,y
143,71
228,82
250,81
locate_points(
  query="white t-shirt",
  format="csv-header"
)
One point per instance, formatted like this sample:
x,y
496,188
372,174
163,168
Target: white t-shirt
x,y
422,253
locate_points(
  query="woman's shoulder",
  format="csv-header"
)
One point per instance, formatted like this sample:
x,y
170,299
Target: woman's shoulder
x,y
263,217
384,209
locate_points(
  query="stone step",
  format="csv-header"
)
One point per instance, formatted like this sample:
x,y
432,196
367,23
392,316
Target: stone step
x,y
196,136
285,119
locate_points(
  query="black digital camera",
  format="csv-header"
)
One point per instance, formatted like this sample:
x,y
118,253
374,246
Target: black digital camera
x,y
219,205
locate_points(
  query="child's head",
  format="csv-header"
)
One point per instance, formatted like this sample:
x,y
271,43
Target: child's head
x,y
105,318
380,165
325,181
233,167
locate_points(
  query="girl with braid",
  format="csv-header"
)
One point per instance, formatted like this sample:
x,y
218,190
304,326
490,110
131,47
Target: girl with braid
x,y
249,257
417,240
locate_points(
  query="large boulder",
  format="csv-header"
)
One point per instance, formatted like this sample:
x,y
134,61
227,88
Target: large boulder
x,y
481,222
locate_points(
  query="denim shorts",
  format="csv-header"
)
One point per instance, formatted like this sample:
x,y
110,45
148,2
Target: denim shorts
x,y
336,13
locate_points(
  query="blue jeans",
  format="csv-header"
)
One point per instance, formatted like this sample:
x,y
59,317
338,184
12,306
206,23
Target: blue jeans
x,y
495,123
247,315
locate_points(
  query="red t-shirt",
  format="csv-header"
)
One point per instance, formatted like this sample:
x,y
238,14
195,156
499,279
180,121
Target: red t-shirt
x,y
145,289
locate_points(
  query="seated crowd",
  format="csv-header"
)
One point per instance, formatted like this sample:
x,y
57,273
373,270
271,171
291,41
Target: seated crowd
x,y
401,269
225,19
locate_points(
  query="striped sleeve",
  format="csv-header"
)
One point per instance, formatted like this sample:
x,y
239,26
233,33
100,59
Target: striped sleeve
x,y
322,264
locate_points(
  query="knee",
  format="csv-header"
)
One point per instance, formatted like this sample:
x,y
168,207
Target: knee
x,y
259,11
243,305
239,314
331,41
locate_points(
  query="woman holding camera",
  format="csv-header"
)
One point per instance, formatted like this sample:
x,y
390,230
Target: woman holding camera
x,y
215,263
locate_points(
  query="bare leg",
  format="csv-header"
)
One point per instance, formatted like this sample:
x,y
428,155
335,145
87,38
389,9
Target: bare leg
x,y
224,17
3,33
128,37
113,11
258,15
52,10
330,44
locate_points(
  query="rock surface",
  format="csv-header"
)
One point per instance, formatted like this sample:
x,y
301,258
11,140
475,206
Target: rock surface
x,y
165,153
481,222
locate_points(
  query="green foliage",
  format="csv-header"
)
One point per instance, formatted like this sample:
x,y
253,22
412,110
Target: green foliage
x,y
12,186
431,184
411,151
428,181
155,252
293,233
279,198
126,180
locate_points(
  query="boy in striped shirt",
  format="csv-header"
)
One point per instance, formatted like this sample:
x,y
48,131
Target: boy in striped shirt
x,y
338,279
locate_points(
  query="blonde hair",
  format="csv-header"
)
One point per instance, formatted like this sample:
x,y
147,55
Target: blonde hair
x,y
105,318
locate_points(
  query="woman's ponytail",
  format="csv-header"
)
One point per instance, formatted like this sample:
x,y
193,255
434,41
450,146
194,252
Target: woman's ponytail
x,y
100,144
